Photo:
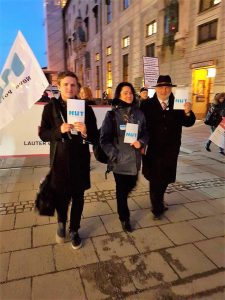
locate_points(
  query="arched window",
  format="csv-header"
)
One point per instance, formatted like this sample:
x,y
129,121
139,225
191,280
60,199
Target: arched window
x,y
171,23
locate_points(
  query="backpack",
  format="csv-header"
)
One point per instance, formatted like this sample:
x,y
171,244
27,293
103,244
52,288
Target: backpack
x,y
97,149
212,117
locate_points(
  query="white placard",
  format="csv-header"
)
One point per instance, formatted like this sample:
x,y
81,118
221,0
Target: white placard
x,y
75,112
181,97
151,71
217,137
131,133
151,93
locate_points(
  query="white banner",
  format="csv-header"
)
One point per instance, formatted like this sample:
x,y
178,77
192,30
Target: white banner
x,y
22,81
20,137
217,137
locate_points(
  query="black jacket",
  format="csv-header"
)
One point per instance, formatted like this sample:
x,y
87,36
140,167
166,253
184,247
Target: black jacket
x,y
124,159
218,112
71,166
164,129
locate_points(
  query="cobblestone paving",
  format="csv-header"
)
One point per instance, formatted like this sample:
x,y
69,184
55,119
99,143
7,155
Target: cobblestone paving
x,y
23,206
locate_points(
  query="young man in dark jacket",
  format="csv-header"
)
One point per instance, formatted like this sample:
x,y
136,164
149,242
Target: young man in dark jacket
x,y
164,125
71,163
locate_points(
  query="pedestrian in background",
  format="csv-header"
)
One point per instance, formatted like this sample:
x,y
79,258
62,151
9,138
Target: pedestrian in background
x,y
124,158
164,125
217,109
143,96
86,94
44,97
71,165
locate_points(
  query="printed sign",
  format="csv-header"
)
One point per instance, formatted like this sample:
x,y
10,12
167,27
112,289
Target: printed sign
x,y
151,71
75,112
131,133
217,137
181,97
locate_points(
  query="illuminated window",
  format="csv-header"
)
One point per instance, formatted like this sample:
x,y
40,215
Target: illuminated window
x,y
97,56
206,4
211,72
151,28
109,50
125,42
109,74
207,32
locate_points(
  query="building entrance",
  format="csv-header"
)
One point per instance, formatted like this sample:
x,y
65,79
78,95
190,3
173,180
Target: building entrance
x,y
200,92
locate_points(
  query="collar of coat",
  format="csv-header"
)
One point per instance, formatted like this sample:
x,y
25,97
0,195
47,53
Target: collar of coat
x,y
170,102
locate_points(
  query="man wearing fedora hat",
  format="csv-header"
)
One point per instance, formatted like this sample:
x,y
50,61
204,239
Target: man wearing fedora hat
x,y
164,125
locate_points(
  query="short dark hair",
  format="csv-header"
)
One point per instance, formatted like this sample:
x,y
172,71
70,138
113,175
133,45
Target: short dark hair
x,y
143,89
62,75
119,88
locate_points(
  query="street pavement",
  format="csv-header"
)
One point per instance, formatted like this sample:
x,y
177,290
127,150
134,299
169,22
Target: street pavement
x,y
181,256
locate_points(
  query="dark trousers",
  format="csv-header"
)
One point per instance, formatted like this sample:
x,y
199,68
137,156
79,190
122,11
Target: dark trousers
x,y
157,191
62,204
124,185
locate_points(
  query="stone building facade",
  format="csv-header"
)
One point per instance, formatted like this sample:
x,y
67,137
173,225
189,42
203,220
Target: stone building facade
x,y
104,42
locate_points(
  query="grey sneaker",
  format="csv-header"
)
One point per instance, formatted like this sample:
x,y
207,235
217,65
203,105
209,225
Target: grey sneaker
x,y
76,241
61,233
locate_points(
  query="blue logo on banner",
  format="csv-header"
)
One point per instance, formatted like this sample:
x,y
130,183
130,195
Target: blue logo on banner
x,y
17,67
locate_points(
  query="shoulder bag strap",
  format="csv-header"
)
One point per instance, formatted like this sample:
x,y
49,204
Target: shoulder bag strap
x,y
115,132
57,113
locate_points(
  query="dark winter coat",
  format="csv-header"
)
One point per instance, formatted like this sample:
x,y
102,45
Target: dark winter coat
x,y
71,166
124,159
164,129
218,113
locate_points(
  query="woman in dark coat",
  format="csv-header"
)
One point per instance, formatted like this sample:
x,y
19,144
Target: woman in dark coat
x,y
71,165
218,110
124,158
164,125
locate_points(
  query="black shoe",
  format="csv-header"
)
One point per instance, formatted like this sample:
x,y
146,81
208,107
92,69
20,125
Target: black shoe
x,y
126,226
222,152
207,148
61,233
76,241
156,217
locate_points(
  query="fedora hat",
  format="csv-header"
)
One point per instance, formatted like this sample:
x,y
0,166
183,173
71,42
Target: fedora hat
x,y
164,80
